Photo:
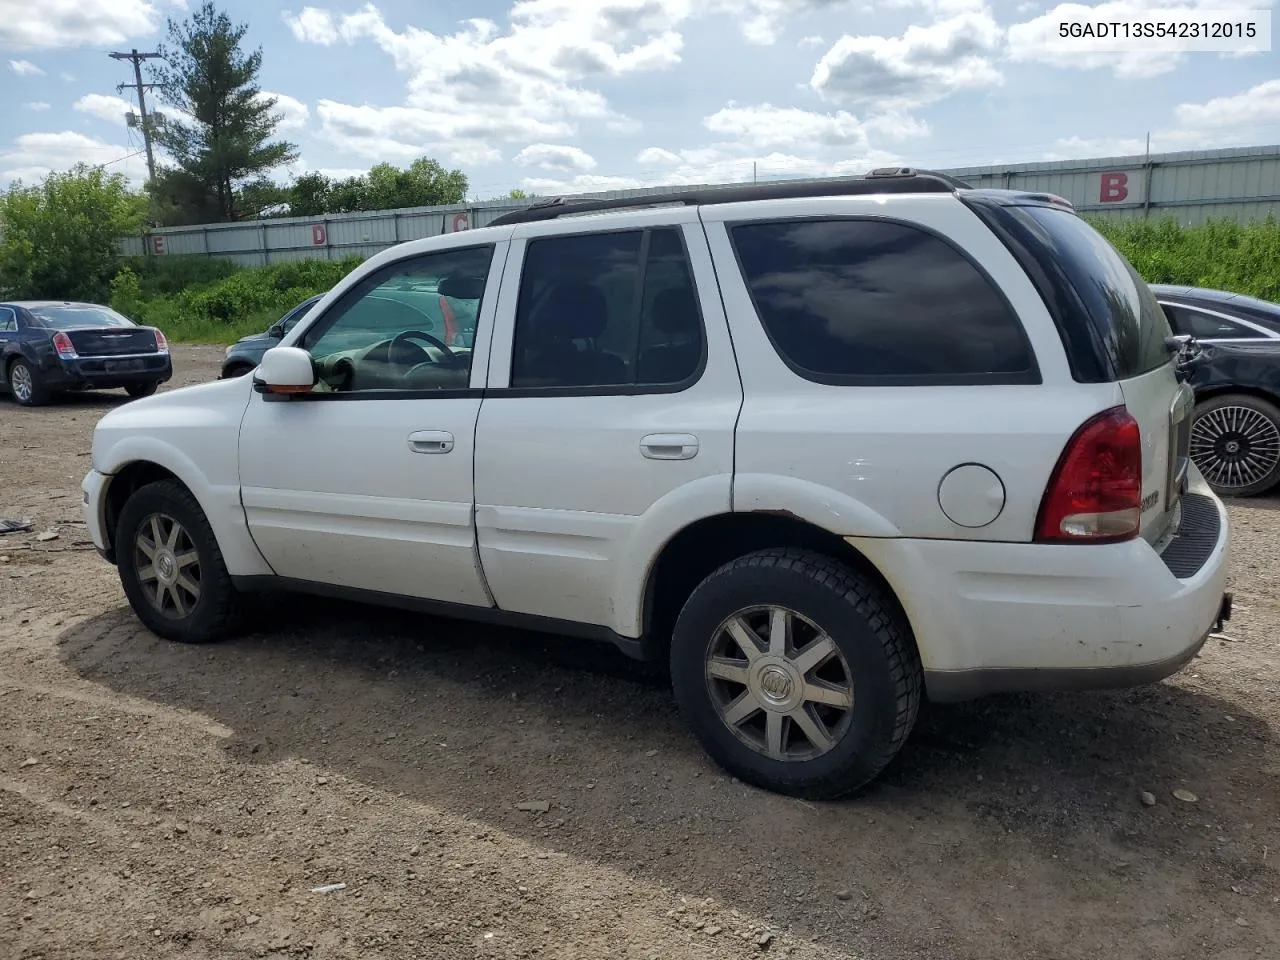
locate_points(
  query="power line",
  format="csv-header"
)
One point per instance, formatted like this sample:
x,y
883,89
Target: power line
x,y
136,59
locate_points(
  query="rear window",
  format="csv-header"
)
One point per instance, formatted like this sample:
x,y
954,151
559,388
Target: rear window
x,y
850,301
1129,325
69,317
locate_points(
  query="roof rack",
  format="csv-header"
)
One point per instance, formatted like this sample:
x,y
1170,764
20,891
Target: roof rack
x,y
881,180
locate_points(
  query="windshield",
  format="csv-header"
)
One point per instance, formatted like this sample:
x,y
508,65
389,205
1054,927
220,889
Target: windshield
x,y
68,316
1123,311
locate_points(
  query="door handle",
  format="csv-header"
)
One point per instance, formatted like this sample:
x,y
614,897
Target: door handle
x,y
669,446
431,441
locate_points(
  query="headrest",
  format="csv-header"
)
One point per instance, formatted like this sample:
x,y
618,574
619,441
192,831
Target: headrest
x,y
675,311
461,288
574,311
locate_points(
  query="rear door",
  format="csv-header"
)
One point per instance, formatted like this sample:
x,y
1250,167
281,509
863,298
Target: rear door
x,y
608,422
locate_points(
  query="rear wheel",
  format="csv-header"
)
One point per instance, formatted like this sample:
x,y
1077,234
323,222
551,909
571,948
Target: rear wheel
x,y
25,385
139,390
796,673
171,567
1235,444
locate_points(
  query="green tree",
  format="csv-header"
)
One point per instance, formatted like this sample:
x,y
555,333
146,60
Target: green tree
x,y
59,237
424,184
222,137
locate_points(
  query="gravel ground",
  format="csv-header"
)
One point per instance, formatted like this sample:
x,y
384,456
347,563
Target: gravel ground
x,y
169,801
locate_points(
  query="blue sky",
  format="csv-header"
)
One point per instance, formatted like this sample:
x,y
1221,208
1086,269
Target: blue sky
x,y
555,95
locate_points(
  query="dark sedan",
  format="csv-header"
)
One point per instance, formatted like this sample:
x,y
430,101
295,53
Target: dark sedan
x,y
246,353
48,347
1235,439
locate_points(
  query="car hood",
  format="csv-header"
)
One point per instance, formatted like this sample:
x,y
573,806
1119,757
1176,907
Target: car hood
x,y
255,338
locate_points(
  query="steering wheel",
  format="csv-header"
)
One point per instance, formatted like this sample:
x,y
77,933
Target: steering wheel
x,y
410,335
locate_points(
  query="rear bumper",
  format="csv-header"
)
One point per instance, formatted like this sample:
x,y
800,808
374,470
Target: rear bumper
x,y
107,373
1005,617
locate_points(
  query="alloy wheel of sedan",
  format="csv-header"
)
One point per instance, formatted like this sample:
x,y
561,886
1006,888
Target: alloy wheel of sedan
x,y
1235,446
21,382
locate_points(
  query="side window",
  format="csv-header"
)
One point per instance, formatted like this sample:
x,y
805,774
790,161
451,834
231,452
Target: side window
x,y
868,301
1204,326
8,320
607,310
390,332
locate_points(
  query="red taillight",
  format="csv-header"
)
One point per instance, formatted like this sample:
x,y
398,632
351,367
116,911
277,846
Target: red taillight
x,y
66,349
1095,493
162,345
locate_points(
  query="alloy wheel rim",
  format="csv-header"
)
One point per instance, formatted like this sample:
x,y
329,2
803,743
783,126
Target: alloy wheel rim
x,y
167,565
20,382
779,683
1235,446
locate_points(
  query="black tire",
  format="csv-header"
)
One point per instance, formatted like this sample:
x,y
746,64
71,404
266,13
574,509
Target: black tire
x,y
36,395
213,614
875,647
1230,433
139,390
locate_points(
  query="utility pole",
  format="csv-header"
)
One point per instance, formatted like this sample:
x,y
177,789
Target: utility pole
x,y
137,58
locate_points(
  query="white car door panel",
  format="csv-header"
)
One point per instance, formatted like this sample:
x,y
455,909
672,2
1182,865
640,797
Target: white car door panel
x,y
372,488
568,475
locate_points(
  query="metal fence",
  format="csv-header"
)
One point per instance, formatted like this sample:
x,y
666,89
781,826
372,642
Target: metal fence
x,y
1242,184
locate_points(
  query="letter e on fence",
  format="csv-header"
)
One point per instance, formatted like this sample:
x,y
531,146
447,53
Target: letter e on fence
x,y
1114,188
157,244
318,235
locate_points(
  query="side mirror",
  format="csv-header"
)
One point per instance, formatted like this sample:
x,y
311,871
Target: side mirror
x,y
284,371
276,332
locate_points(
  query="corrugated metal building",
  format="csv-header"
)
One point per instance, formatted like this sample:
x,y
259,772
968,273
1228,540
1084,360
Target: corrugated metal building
x,y
1193,186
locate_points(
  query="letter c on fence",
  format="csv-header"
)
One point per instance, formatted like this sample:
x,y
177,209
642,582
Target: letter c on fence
x,y
318,234
459,222
1114,188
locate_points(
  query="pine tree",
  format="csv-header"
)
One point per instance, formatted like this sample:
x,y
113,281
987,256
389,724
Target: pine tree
x,y
221,138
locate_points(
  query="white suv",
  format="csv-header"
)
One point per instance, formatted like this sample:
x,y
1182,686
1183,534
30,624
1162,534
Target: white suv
x,y
829,448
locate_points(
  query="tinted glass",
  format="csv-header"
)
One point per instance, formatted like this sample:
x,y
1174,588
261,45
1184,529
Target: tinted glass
x,y
1204,326
8,320
68,317
606,309
390,333
864,300
1122,309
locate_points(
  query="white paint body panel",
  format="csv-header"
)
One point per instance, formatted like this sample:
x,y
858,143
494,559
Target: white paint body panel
x,y
569,513
192,433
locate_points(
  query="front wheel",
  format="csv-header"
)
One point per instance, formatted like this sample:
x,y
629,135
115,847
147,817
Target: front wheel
x,y
137,391
796,673
1235,444
171,567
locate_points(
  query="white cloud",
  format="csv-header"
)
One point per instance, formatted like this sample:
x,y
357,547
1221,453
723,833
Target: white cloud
x,y
24,68
109,109
51,24
657,156
1255,106
715,165
37,105
34,155
556,157
812,41
312,25
768,127
923,65
293,113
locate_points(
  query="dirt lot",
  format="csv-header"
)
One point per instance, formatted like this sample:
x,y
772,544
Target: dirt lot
x,y
160,800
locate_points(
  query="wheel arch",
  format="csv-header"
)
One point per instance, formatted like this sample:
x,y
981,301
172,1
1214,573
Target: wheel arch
x,y
704,545
123,484
1271,396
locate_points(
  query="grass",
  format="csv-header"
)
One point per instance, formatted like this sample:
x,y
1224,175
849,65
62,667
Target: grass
x,y
203,300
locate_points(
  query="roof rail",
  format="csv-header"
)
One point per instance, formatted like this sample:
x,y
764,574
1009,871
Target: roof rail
x,y
881,180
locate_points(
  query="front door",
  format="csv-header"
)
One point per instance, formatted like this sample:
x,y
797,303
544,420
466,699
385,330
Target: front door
x,y
366,481
608,425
